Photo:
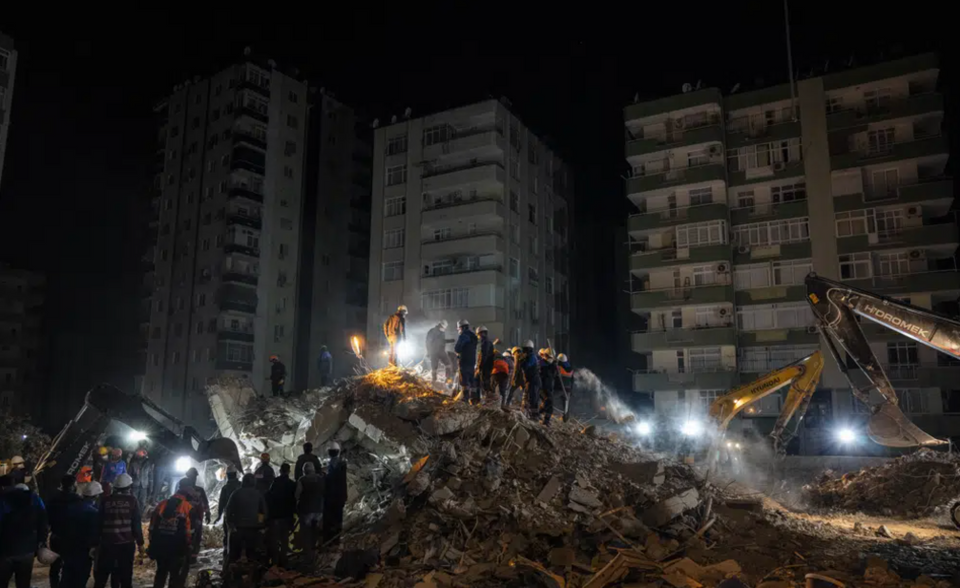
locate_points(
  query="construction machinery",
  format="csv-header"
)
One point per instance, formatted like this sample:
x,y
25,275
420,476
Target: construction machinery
x,y
105,405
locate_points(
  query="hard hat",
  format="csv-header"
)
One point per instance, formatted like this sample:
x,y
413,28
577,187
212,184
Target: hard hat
x,y
264,457
274,358
103,450
463,323
562,357
141,453
16,460
334,446
92,489
123,481
528,344
507,354
402,308
46,557
482,329
117,452
443,324
22,486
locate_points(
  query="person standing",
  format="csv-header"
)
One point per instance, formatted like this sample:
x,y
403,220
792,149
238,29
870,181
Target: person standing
x,y
282,505
121,534
502,366
309,495
278,375
141,470
246,512
113,468
485,357
325,366
527,376
306,457
200,506
23,529
19,471
334,495
549,383
232,485
395,329
437,349
264,474
466,348
566,379
80,536
170,539
58,504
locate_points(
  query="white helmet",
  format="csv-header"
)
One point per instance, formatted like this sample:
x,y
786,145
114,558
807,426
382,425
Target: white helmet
x,y
123,481
529,344
482,329
16,460
402,308
92,489
463,323
562,357
333,446
22,486
443,324
507,354
46,557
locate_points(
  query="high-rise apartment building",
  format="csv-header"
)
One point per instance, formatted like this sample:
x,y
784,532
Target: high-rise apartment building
x,y
470,220
740,196
21,303
8,70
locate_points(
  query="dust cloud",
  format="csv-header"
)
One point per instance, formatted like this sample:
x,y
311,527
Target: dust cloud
x,y
603,397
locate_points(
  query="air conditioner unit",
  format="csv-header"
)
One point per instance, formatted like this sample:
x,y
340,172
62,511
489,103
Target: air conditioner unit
x,y
811,329
914,211
678,123
723,312
714,150
917,254
743,249
722,268
779,166
873,238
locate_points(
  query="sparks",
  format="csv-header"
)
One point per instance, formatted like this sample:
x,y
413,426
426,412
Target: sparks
x,y
355,343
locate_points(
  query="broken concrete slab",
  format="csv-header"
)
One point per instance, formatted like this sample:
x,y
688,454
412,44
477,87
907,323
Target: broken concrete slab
x,y
448,422
441,494
324,424
665,511
650,472
562,556
584,497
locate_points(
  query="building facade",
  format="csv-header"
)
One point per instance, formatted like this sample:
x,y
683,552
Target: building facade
x,y
8,71
470,220
738,197
21,304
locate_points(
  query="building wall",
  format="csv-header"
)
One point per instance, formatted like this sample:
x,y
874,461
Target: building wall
x,y
8,71
21,305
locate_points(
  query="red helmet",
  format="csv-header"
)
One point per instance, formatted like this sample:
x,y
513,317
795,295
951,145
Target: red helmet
x,y
274,358
141,453
265,457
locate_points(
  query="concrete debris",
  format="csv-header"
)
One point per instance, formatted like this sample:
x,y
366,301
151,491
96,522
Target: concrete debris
x,y
666,510
650,472
549,490
585,497
883,531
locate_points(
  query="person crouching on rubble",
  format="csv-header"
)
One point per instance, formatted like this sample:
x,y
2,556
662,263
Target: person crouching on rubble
x,y
264,474
549,383
232,485
170,540
502,366
309,495
121,535
527,376
282,505
466,348
246,513
334,495
197,496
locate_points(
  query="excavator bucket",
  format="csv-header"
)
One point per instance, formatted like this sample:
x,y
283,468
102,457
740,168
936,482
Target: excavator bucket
x,y
223,449
891,428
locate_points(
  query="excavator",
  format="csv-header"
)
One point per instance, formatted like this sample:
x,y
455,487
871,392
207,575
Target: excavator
x,y
105,405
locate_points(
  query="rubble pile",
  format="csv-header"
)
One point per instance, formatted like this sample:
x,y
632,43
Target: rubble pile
x,y
914,485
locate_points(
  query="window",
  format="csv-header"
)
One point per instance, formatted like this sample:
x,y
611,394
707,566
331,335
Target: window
x,y
902,353
765,359
534,311
201,299
751,276
286,224
396,174
533,276
855,222
855,266
293,97
281,278
772,232
199,329
277,333
877,99
788,192
704,275
288,172
707,397
392,271
292,121
765,154
893,264
534,245
705,233
548,285
746,200
436,134
175,357
289,148
445,299
532,213
514,201
790,315
515,168
534,184
393,238
442,234
697,157
282,251
515,234
834,104
284,203
880,140
397,145
155,359
4,59
791,273
533,154
701,196
515,268
889,223
395,206
705,359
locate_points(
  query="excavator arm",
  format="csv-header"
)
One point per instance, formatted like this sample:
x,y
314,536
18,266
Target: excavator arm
x,y
802,376
836,307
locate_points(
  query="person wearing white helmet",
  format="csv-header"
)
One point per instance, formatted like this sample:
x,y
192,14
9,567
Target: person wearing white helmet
x,y
527,376
466,348
121,534
81,535
23,528
395,329
437,349
334,495
566,379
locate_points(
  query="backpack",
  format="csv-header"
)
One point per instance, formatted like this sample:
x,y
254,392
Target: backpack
x,y
168,534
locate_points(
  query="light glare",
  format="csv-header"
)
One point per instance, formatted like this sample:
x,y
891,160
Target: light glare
x,y
137,436
691,428
183,464
846,436
643,428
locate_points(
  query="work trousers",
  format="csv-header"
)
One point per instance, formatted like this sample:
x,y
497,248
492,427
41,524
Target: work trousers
x,y
279,541
392,355
276,388
332,523
546,405
20,568
324,379
436,359
196,540
501,384
309,533
468,382
115,561
172,568
532,392
56,568
140,492
76,569
244,542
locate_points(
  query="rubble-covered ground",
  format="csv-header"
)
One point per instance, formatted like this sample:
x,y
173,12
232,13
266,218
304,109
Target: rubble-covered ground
x,y
443,494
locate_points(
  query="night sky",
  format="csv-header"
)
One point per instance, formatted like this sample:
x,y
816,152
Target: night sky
x,y
79,156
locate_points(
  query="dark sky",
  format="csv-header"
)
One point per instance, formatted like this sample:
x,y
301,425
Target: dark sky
x,y
80,148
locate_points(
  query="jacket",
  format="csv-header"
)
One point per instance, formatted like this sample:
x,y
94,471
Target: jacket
x,y
305,458
120,520
325,363
82,531
549,376
23,523
170,528
245,507
485,356
335,484
395,328
527,369
282,498
436,342
57,506
502,365
278,372
197,497
225,493
309,494
466,348
264,476
141,470
566,370
112,469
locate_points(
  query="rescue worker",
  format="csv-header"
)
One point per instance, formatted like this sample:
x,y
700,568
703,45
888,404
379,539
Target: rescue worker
x,y
278,374
85,475
527,376
113,468
334,495
232,485
549,383
309,495
80,535
502,366
141,469
566,379
466,348
325,366
170,537
199,506
23,530
282,506
485,358
121,534
19,472
306,457
58,504
264,474
395,329
246,512
437,349
99,461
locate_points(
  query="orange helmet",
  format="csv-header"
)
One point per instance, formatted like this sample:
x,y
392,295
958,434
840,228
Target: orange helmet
x,y
274,358
141,453
85,475
264,457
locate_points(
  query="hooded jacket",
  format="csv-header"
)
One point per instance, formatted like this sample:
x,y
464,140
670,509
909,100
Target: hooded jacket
x,y
466,348
486,355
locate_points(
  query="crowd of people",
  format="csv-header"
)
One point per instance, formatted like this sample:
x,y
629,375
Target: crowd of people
x,y
92,523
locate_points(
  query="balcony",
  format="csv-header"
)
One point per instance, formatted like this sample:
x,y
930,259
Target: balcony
x,y
241,192
241,366
642,342
880,71
489,207
931,281
242,249
668,256
442,178
926,375
239,278
481,242
858,119
671,103
919,237
798,336
665,218
711,133
648,299
253,222
251,166
263,90
243,306
243,333
923,191
711,172
776,171
771,295
252,113
768,211
241,136
704,379
459,270
742,132
783,251
486,142
919,147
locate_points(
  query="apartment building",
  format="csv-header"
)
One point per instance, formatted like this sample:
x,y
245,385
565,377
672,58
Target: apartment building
x,y
227,205
21,304
8,71
470,220
738,197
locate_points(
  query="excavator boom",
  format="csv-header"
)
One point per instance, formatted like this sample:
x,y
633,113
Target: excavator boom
x,y
836,307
